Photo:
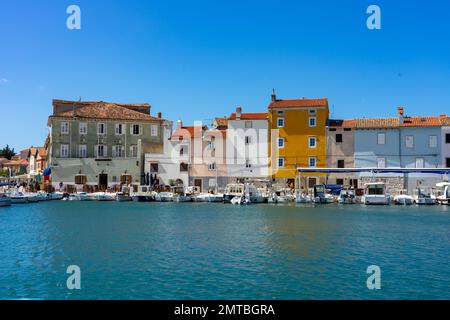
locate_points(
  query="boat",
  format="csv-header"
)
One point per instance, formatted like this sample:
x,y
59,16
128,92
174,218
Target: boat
x,y
375,193
347,196
124,195
424,196
322,195
215,197
143,194
18,197
79,196
444,198
103,196
403,199
42,196
303,197
55,196
32,197
5,201
278,197
164,197
248,190
183,198
240,200
202,197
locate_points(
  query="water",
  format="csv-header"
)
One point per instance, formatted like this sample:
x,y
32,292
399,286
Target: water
x,y
217,251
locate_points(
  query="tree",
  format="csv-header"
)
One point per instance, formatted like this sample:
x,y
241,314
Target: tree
x,y
7,152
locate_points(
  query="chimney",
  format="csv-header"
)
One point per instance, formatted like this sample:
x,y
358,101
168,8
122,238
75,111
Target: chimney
x,y
159,115
238,113
179,124
274,96
400,112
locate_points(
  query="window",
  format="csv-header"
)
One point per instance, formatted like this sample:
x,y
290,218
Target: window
x,y
280,143
409,141
83,128
80,179
64,151
154,167
248,139
312,142
100,151
136,129
212,166
183,167
133,151
312,161
312,121
64,128
211,144
154,130
381,162
120,129
183,150
340,182
248,124
433,141
381,138
312,111
82,151
118,151
101,128
341,164
420,163
248,164
447,160
280,162
280,122
333,129
447,138
338,137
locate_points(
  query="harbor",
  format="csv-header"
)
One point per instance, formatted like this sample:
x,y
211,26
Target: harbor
x,y
196,250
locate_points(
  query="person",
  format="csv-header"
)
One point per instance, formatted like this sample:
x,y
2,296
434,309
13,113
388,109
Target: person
x,y
61,186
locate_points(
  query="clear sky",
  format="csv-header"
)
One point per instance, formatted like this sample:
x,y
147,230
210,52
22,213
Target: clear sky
x,y
199,59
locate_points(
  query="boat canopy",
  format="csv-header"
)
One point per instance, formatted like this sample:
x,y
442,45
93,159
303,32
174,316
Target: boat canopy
x,y
375,170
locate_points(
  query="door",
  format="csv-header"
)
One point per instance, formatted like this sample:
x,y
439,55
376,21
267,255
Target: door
x,y
103,181
198,183
312,182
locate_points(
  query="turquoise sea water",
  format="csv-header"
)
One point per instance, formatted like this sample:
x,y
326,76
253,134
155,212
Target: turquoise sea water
x,y
217,251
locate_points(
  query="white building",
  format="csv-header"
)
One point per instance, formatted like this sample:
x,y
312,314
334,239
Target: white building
x,y
247,145
171,164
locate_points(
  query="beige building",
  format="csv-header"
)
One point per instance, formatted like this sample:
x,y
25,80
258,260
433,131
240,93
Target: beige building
x,y
340,151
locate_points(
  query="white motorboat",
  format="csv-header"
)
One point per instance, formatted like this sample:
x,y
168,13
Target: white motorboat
x,y
5,201
403,199
18,197
42,196
79,196
247,190
278,197
375,193
347,196
103,196
424,196
215,197
142,194
183,198
202,197
322,195
444,198
240,200
303,197
123,197
164,197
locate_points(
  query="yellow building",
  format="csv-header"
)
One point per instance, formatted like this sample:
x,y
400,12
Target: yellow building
x,y
297,135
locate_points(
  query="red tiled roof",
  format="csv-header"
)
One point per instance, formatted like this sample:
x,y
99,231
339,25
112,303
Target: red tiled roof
x,y
422,121
67,104
187,132
346,123
21,162
249,116
377,123
445,121
296,103
104,110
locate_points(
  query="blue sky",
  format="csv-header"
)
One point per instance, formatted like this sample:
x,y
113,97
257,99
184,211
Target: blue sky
x,y
199,59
